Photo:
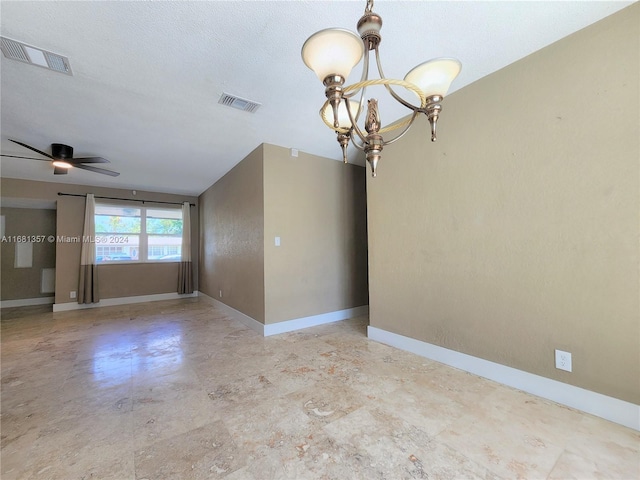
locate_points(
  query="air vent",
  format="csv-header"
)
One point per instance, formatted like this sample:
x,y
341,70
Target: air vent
x,y
239,103
35,56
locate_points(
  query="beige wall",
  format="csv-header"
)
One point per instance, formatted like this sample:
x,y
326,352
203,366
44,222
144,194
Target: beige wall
x,y
232,235
114,280
148,278
517,232
21,283
70,224
317,207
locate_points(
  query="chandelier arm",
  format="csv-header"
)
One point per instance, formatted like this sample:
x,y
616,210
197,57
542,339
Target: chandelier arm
x,y
357,86
394,126
394,94
363,90
355,144
328,122
363,77
406,129
388,81
354,125
361,103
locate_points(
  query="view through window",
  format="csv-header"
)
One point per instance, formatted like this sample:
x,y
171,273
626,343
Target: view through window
x,y
138,234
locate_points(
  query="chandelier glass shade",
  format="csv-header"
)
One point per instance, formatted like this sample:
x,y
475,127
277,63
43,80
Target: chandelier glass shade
x,y
435,76
344,122
333,52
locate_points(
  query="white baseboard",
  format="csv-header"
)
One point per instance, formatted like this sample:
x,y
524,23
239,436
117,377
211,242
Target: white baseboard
x,y
109,302
609,408
252,323
288,325
314,320
26,302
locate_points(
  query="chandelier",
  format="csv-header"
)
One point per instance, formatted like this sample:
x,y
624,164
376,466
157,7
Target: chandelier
x,y
333,52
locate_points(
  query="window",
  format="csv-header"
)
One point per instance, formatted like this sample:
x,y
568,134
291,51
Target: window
x,y
164,233
104,251
138,234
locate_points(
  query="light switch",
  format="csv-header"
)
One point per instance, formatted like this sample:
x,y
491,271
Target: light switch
x,y
277,241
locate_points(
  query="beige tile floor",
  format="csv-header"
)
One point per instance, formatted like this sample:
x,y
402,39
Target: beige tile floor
x,y
177,390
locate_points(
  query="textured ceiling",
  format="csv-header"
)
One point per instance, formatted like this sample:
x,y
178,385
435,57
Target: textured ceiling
x,y
147,76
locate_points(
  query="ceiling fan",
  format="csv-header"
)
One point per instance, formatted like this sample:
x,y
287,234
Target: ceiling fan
x,y
62,159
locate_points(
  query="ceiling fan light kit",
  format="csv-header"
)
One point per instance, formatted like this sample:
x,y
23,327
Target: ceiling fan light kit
x,y
61,164
62,159
61,152
333,52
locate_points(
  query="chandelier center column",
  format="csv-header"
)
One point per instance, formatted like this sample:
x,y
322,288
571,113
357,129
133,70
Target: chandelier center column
x,y
374,143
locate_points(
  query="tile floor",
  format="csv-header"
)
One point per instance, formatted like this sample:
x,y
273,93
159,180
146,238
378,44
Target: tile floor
x,y
177,390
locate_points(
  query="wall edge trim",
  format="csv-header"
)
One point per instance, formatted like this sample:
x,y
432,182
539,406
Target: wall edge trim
x,y
314,320
243,318
603,406
26,302
288,325
109,302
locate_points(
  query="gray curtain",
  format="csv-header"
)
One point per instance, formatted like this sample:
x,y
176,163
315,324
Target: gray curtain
x,y
88,286
185,272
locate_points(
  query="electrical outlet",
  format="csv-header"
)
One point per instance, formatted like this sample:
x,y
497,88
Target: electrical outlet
x,y
220,293
563,360
72,294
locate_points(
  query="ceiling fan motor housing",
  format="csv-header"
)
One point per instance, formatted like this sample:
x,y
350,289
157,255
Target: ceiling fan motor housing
x,y
59,150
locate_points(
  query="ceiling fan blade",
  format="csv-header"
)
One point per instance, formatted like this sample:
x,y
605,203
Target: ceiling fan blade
x,y
26,158
60,171
31,148
97,170
89,160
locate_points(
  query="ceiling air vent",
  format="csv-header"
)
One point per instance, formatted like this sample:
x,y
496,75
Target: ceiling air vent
x,y
239,103
35,56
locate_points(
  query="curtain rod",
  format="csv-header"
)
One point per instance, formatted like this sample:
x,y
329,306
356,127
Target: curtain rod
x,y
125,199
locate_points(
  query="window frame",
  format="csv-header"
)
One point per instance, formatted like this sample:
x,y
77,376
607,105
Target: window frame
x,y
143,246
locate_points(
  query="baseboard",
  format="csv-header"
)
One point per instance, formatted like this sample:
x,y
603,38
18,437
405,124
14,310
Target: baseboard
x,y
26,302
314,320
252,323
110,302
609,408
288,325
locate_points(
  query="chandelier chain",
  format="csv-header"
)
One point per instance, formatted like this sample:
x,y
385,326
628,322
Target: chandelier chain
x,y
369,7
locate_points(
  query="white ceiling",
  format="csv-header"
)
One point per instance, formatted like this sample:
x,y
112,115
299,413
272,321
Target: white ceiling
x,y
147,76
